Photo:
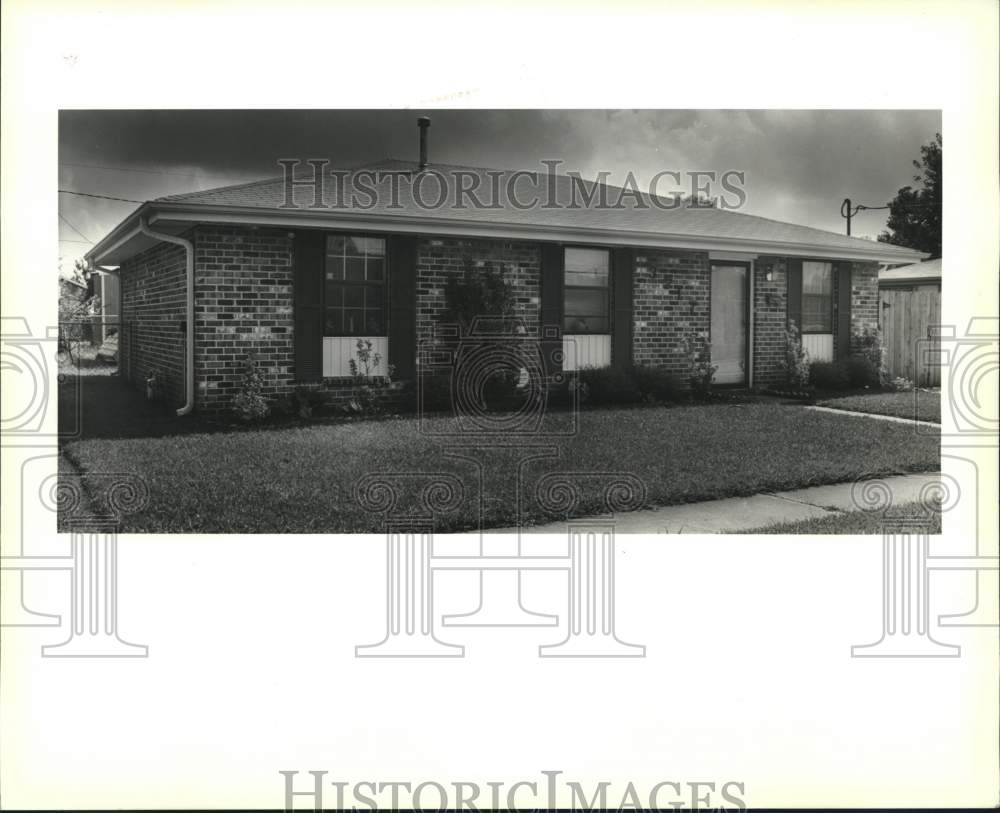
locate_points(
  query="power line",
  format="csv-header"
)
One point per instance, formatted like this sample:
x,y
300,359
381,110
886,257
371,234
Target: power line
x,y
103,197
154,171
63,218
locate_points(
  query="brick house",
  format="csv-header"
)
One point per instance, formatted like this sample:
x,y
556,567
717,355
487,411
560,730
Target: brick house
x,y
290,273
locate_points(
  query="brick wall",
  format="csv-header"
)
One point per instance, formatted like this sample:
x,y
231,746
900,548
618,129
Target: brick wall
x,y
441,258
864,299
243,280
770,307
671,294
153,302
244,304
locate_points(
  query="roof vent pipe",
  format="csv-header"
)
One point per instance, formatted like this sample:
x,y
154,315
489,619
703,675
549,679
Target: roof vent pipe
x,y
423,123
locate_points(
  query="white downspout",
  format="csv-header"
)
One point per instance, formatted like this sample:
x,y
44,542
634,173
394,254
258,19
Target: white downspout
x,y
189,350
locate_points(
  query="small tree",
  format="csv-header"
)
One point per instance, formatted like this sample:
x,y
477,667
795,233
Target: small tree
x,y
249,403
483,291
75,310
479,291
701,371
796,362
367,381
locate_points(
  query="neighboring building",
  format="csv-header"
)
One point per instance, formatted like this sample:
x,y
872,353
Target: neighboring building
x,y
299,285
915,275
910,319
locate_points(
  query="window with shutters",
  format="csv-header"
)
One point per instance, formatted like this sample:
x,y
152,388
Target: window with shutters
x,y
355,292
587,291
817,297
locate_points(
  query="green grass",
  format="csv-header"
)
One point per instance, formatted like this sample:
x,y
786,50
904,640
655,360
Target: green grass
x,y
857,522
922,405
302,479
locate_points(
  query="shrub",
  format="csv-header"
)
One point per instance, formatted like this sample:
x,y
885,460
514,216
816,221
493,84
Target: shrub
x,y
862,372
302,402
305,401
869,344
656,383
701,371
435,392
481,291
829,375
500,388
608,385
249,403
901,384
796,363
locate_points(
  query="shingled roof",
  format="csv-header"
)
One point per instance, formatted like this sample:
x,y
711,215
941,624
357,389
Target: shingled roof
x,y
640,220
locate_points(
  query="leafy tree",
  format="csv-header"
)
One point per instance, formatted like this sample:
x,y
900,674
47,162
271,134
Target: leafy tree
x,y
76,310
477,293
915,214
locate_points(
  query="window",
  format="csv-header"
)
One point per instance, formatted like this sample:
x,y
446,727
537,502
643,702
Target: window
x,y
586,291
817,297
355,286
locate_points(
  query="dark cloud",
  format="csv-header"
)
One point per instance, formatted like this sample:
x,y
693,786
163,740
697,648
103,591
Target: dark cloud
x,y
799,164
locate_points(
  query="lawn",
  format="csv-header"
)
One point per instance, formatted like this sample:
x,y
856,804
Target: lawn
x,y
302,479
857,522
922,405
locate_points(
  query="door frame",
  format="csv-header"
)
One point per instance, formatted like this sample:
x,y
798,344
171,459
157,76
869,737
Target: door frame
x,y
747,320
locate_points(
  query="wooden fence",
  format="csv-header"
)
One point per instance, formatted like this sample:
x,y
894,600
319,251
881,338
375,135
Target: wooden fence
x,y
910,318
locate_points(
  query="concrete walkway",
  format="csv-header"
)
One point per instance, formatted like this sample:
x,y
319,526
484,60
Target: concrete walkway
x,y
896,418
750,513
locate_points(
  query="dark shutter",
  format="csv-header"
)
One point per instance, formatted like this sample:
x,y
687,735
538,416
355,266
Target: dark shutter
x,y
553,257
621,327
843,337
403,306
308,255
794,267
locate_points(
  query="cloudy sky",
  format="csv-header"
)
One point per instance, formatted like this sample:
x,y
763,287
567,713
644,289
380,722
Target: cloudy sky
x,y
799,165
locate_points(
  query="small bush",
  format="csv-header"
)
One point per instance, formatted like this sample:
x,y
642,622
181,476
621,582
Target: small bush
x,y
435,392
796,362
500,388
368,383
249,403
657,383
869,344
829,375
302,402
701,371
608,385
306,401
901,384
862,372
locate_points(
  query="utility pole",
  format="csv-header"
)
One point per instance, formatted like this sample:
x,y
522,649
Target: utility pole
x,y
847,212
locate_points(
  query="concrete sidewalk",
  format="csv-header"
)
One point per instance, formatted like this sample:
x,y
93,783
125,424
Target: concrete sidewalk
x,y
750,513
875,415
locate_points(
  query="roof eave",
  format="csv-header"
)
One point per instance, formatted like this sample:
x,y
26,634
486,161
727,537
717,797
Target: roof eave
x,y
118,235
303,218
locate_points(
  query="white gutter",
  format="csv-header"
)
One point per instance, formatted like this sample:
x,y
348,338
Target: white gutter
x,y
177,213
863,250
189,349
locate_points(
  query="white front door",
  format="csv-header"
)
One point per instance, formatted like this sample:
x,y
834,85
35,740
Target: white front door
x,y
729,322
